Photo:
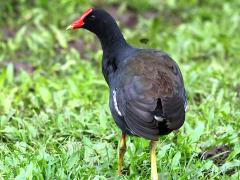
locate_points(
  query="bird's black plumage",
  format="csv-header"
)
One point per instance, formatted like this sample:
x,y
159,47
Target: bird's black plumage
x,y
147,95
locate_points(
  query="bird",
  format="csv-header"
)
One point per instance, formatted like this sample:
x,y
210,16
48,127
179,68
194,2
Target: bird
x,y
147,97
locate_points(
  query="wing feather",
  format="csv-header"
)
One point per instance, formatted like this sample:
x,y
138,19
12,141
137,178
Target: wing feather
x,y
142,82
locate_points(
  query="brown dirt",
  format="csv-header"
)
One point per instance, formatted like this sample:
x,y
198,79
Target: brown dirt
x,y
77,44
81,46
218,154
198,98
8,33
128,18
19,66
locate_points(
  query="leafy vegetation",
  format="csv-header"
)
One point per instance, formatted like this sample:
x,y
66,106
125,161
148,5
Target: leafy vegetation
x,y
54,117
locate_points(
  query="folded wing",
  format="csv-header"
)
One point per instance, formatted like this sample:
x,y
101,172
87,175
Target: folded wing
x,y
150,86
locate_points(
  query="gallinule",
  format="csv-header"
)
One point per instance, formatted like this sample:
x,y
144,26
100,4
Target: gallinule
x,y
147,95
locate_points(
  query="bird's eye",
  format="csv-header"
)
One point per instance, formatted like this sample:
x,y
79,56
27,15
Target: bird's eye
x,y
92,17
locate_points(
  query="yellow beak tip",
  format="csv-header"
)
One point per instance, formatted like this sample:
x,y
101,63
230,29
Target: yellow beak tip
x,y
69,27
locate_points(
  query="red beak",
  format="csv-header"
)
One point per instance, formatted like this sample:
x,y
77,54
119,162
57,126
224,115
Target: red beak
x,y
79,23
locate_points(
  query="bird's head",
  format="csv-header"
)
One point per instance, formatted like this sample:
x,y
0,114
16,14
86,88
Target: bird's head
x,y
82,20
101,23
93,20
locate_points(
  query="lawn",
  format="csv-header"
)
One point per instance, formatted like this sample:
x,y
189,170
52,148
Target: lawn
x,y
54,117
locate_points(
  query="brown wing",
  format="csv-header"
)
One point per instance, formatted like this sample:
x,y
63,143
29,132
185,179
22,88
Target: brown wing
x,y
148,85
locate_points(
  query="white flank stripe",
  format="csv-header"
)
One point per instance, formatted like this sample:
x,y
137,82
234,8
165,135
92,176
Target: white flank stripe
x,y
185,106
115,103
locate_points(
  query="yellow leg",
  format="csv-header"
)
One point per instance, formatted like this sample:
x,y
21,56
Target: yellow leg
x,y
154,174
122,151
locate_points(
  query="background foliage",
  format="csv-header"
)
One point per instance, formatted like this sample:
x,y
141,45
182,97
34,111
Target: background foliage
x,y
54,116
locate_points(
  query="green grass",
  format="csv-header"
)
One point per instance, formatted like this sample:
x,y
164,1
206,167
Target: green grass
x,y
55,122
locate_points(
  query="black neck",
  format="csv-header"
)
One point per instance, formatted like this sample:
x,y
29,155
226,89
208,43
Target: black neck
x,y
112,41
